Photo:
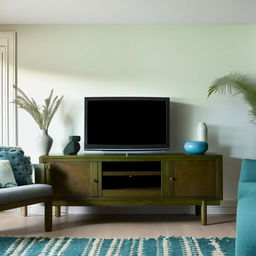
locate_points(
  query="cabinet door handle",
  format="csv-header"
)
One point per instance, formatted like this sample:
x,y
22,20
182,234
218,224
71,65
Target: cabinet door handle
x,y
96,181
172,179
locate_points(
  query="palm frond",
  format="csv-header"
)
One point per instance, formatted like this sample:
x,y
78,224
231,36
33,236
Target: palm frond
x,y
239,84
252,113
233,81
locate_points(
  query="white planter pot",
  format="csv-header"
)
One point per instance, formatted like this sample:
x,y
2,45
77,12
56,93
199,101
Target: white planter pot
x,y
44,142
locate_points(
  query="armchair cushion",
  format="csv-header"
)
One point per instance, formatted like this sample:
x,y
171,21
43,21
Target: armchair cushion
x,y
21,165
6,175
23,193
247,190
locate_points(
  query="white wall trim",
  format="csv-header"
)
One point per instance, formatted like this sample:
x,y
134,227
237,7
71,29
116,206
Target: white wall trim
x,y
128,12
8,78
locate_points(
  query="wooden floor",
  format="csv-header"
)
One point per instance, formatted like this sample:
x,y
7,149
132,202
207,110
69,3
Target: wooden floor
x,y
120,226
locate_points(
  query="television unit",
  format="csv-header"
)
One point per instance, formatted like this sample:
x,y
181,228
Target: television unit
x,y
127,123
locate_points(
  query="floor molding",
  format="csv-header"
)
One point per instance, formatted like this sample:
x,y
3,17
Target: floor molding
x,y
226,207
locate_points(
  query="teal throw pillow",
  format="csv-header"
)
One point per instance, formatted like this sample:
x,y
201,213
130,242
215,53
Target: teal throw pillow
x,y
29,169
7,179
20,164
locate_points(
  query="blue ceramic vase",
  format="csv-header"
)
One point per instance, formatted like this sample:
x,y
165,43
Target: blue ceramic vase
x,y
196,147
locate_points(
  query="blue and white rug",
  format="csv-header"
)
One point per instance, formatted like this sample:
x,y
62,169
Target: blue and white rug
x,y
171,246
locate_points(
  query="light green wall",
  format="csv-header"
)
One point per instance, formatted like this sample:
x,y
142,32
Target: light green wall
x,y
176,61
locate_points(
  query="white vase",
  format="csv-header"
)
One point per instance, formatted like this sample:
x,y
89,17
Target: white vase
x,y
201,132
44,142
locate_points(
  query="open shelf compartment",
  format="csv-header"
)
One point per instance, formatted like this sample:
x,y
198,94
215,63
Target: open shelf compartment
x,y
136,178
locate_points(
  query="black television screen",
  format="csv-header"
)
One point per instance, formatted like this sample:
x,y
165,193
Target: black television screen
x,y
126,123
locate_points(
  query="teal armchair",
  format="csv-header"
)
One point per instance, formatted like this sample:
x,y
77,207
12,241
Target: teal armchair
x,y
18,190
246,210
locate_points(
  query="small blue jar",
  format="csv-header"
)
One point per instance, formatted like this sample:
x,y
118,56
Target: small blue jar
x,y
196,147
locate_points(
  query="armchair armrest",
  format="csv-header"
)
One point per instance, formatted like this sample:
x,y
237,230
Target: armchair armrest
x,y
248,170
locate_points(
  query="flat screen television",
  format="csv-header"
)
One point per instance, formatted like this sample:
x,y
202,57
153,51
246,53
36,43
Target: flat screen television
x,y
127,123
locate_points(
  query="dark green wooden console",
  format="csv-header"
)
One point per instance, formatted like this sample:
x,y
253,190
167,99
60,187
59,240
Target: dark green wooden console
x,y
123,180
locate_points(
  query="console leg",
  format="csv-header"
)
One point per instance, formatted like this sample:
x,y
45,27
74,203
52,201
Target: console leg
x,y
24,211
204,213
48,216
57,211
198,210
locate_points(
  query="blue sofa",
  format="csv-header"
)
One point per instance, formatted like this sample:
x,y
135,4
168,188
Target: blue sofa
x,y
246,210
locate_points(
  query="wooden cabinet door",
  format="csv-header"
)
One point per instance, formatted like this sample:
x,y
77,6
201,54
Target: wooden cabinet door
x,y
192,179
74,178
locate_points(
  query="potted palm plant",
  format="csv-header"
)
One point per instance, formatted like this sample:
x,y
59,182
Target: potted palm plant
x,y
41,114
239,84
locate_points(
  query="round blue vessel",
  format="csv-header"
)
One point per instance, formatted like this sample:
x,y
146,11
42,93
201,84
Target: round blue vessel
x,y
196,147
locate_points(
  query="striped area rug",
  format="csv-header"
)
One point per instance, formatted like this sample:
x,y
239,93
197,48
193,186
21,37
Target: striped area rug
x,y
175,246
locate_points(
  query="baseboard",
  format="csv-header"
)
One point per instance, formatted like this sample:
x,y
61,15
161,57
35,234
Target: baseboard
x,y
226,207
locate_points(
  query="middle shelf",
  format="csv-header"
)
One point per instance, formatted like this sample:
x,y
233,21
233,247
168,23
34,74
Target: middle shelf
x,y
132,173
